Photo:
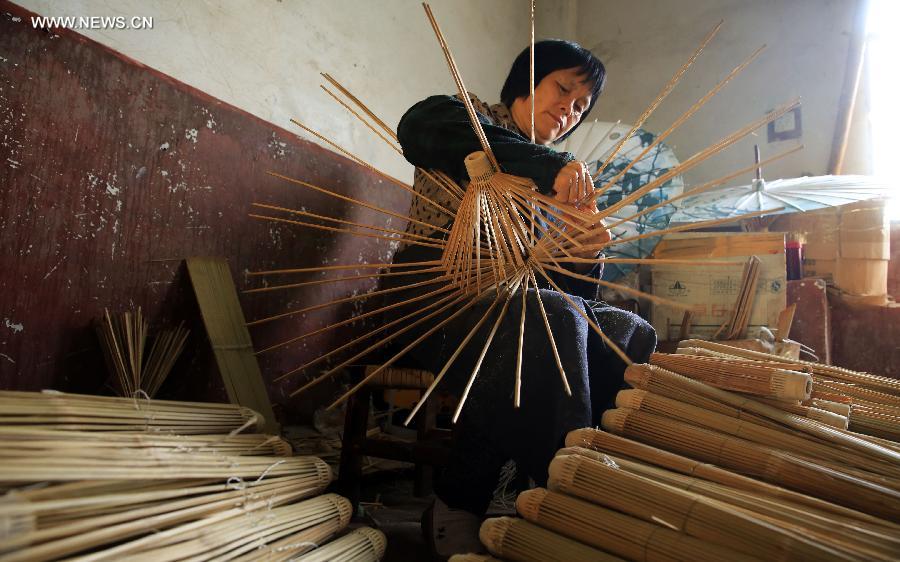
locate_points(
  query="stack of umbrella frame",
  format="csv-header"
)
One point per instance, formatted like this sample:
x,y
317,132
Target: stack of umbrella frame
x,y
104,478
720,453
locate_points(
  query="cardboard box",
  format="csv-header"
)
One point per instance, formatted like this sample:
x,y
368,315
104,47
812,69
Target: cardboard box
x,y
861,277
711,291
846,246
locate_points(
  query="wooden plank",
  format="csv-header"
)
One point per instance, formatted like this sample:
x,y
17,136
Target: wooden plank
x,y
229,337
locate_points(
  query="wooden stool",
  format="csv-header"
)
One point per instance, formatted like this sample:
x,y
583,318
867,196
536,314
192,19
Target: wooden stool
x,y
430,449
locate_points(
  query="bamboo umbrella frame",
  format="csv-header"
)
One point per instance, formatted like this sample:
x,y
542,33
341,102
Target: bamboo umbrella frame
x,y
58,410
778,438
493,235
234,537
617,533
847,535
91,522
703,518
740,377
232,532
141,464
764,494
884,384
361,545
759,461
29,441
521,541
641,375
588,440
288,548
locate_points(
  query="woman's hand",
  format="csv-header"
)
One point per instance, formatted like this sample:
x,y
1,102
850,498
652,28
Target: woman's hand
x,y
573,182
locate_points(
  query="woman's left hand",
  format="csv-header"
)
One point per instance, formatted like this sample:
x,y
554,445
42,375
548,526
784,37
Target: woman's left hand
x,y
598,232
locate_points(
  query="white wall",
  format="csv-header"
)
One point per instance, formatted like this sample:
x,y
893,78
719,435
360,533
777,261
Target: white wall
x,y
265,56
643,42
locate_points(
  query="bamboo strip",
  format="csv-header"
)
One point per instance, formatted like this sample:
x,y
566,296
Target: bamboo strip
x,y
391,144
352,319
453,296
390,132
683,118
271,288
519,540
417,341
693,514
302,213
343,300
401,184
408,241
463,92
421,264
617,533
670,85
356,201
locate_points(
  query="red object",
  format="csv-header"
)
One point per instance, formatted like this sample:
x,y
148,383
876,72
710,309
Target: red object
x,y
793,255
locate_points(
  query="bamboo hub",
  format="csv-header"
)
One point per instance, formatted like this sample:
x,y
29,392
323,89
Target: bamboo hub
x,y
479,167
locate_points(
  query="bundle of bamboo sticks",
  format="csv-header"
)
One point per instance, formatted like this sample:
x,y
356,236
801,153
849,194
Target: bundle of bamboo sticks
x,y
123,340
151,494
686,469
870,402
81,412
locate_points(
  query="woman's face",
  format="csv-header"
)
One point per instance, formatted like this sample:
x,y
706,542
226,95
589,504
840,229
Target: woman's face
x,y
560,100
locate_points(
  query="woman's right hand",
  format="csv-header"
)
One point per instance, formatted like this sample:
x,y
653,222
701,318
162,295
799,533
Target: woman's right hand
x,y
573,183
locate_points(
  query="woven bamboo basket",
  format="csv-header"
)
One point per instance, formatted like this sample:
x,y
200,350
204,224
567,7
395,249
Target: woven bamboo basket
x,y
521,541
615,532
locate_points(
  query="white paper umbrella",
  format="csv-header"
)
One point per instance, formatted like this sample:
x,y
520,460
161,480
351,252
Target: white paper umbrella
x,y
792,195
592,143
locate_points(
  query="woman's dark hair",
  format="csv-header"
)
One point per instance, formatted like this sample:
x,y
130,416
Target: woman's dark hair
x,y
551,55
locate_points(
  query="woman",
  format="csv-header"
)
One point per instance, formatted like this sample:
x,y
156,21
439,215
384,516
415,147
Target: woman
x,y
436,134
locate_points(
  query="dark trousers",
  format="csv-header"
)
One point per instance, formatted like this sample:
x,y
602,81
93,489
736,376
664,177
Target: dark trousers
x,y
490,430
